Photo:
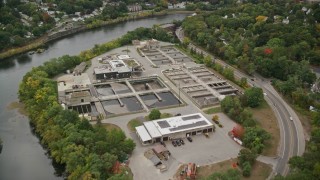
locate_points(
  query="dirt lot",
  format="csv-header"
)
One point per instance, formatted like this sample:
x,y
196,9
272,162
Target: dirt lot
x,y
260,171
267,120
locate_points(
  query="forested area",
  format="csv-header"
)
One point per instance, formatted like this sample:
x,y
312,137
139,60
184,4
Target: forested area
x,y
277,39
13,30
22,22
238,109
86,151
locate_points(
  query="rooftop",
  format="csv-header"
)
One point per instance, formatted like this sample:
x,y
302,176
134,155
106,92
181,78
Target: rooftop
x,y
175,124
114,66
144,135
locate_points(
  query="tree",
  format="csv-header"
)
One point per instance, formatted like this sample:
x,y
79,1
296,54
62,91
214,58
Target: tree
x,y
246,170
243,82
246,155
208,61
253,97
215,118
154,114
254,138
4,39
228,73
186,41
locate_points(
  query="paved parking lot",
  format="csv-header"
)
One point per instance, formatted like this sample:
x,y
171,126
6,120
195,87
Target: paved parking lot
x,y
204,150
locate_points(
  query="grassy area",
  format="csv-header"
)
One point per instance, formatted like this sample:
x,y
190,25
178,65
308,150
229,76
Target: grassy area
x,y
268,121
134,123
127,173
213,110
110,127
163,115
260,171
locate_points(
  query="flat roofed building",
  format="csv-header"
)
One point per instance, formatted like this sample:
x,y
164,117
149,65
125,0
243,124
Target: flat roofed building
x,y
177,127
143,134
116,69
153,130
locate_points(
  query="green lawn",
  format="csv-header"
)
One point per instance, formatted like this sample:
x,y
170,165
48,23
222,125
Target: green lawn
x,y
213,110
163,115
134,123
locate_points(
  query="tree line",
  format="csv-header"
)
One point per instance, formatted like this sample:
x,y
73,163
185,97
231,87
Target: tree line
x,y
277,39
239,36
238,109
16,29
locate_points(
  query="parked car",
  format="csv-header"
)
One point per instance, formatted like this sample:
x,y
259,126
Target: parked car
x,y
164,144
178,142
179,114
182,142
189,139
174,143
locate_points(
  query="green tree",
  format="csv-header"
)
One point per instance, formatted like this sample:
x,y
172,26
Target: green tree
x,y
186,41
154,114
246,155
243,82
253,97
228,73
254,138
246,170
208,61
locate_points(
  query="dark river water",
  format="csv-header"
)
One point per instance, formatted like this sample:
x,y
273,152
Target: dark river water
x,y
22,156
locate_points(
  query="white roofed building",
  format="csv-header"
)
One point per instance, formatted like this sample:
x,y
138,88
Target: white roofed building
x,y
114,69
174,128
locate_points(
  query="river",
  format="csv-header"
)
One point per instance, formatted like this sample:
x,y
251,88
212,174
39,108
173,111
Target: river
x,y
22,156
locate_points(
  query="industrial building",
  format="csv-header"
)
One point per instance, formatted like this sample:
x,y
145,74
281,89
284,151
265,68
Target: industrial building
x,y
173,128
115,69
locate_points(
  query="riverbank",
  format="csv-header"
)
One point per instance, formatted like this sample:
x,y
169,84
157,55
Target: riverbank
x,y
96,24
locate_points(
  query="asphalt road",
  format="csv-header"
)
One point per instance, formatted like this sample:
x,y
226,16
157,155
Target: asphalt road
x,y
292,141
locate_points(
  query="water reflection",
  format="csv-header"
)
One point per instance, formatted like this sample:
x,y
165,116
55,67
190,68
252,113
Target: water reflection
x,y
7,63
23,59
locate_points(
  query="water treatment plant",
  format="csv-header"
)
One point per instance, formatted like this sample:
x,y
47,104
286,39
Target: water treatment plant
x,y
133,80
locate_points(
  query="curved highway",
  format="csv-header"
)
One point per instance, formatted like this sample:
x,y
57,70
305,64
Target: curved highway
x,y
292,141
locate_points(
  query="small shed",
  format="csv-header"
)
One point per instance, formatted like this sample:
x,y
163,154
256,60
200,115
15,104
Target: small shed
x,y
80,68
160,149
